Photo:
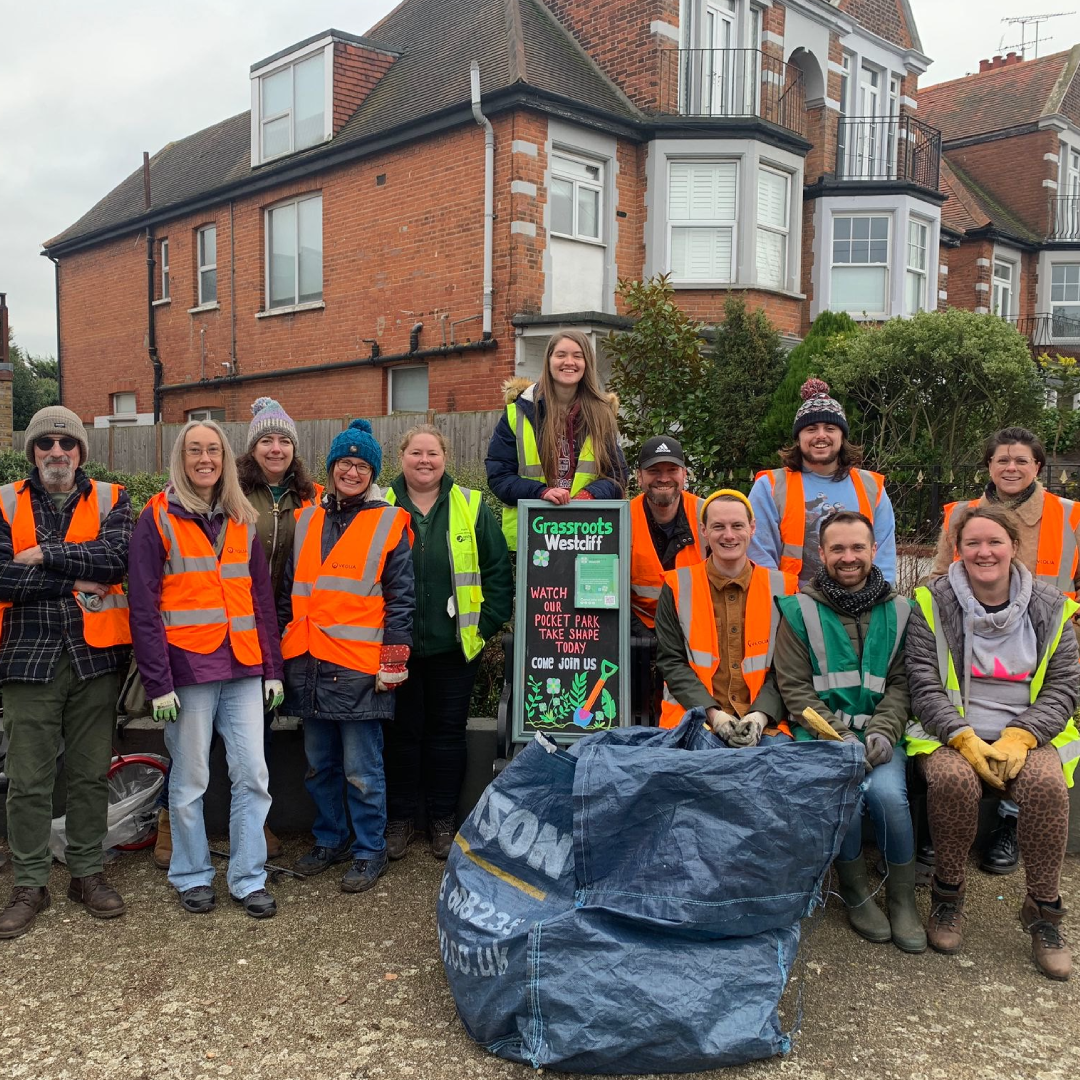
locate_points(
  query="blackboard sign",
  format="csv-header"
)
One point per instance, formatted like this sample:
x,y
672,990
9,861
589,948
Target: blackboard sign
x,y
572,626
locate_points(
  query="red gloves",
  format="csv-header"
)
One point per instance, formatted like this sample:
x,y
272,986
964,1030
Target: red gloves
x,y
392,669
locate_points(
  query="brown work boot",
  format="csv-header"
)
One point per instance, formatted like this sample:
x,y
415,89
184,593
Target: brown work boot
x,y
273,844
163,844
24,904
945,930
97,895
1048,947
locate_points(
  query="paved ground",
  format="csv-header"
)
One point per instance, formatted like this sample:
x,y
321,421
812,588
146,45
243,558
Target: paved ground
x,y
352,987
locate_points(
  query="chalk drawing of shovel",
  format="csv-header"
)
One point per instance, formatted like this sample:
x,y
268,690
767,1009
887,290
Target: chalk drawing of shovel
x,y
582,717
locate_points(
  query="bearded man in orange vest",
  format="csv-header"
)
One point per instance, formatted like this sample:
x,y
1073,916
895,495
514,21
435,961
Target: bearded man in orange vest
x,y
716,624
63,637
663,527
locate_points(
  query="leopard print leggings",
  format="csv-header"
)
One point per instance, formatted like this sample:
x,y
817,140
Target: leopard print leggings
x,y
952,807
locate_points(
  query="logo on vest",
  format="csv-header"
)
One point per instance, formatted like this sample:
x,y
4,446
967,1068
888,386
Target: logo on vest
x,y
343,566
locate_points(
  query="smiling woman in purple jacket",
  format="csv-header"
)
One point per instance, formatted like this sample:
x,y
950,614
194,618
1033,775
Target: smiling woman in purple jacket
x,y
202,616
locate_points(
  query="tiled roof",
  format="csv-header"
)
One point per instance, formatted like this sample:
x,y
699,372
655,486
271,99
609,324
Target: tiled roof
x,y
999,99
969,207
517,43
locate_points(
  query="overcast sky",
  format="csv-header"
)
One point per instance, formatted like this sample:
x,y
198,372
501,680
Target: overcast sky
x,y
86,87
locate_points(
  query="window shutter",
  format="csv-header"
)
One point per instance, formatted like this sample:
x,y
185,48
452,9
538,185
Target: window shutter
x,y
772,199
702,191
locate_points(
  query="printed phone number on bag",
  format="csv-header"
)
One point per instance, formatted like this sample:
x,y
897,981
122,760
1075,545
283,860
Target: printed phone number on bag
x,y
468,907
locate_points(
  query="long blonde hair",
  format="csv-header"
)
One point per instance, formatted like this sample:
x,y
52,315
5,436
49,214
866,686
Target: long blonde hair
x,y
597,411
227,494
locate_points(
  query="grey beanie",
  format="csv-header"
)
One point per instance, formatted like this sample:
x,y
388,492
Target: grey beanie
x,y
269,418
56,420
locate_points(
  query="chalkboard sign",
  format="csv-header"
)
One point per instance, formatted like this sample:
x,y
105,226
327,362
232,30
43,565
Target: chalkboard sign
x,y
572,627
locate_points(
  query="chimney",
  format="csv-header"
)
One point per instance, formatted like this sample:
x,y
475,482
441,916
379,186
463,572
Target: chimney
x,y
1012,58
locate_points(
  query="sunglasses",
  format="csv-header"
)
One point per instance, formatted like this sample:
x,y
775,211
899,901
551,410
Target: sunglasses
x,y
46,443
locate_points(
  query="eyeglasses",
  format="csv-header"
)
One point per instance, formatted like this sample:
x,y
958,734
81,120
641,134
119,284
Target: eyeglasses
x,y
47,442
196,452
361,468
1023,462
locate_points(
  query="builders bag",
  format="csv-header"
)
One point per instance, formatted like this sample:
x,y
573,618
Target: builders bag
x,y
632,904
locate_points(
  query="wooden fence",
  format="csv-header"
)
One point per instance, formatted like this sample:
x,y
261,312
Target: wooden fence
x,y
145,448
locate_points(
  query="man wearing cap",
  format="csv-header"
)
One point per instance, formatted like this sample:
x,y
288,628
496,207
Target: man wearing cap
x,y
663,527
63,637
821,474
716,625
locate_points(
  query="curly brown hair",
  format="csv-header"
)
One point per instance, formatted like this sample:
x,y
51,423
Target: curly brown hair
x,y
251,476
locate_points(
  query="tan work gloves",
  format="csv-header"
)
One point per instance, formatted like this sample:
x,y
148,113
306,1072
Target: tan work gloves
x,y
981,756
736,731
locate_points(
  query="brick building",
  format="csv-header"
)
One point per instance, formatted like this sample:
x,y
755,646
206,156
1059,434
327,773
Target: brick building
x,y
331,246
1011,169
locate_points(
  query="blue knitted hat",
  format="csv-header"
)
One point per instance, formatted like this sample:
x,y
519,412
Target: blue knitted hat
x,y
356,441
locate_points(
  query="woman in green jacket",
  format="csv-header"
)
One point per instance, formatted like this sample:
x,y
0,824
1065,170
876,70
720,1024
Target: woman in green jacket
x,y
464,594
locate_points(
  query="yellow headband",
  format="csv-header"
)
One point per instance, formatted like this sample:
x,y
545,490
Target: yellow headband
x,y
730,493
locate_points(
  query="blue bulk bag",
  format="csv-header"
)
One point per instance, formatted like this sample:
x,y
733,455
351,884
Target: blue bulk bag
x,y
632,904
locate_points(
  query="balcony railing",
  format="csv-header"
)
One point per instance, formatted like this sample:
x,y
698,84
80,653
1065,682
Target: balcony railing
x,y
732,83
888,148
1045,329
1065,218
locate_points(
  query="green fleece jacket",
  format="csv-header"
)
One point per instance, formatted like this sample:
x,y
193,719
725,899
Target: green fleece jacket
x,y
795,674
434,630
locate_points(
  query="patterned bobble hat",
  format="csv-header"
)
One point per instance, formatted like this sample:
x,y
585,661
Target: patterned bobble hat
x,y
269,418
356,441
818,408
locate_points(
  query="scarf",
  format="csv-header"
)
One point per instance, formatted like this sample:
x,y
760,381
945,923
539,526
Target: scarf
x,y
874,591
1010,503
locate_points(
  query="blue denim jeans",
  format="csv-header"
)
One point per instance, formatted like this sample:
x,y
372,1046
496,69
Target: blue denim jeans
x,y
884,795
234,709
349,756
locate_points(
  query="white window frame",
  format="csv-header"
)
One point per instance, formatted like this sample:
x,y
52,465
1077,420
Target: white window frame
x,y
915,271
1065,301
999,286
783,231
206,413
392,372
578,183
296,302
886,265
705,223
204,268
165,269
115,402
325,46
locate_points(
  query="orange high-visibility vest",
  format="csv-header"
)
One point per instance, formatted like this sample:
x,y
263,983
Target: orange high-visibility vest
x,y
693,602
787,490
646,571
205,596
337,604
108,626
1057,556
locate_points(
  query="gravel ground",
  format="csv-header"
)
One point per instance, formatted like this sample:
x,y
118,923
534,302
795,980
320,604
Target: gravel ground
x,y
341,987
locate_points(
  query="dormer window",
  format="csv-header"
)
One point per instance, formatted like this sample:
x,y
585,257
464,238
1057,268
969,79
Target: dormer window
x,y
290,102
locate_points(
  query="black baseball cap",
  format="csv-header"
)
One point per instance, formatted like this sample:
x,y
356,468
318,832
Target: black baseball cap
x,y
661,448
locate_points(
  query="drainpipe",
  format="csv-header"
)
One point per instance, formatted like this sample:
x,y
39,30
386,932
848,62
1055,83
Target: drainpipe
x,y
489,192
59,362
151,332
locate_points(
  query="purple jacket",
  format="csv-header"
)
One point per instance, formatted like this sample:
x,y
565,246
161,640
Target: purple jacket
x,y
163,666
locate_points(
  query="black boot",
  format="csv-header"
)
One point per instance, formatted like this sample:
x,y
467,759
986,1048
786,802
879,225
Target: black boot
x,y
1003,854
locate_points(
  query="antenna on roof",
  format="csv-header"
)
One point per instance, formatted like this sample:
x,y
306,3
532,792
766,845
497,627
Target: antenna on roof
x,y
1035,20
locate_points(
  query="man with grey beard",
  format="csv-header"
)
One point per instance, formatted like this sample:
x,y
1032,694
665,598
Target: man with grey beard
x,y
63,638
663,527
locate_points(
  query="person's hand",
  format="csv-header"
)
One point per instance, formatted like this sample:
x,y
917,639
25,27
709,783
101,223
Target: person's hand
x,y
392,669
721,723
274,693
1014,743
748,729
166,708
558,496
981,756
94,588
31,556
879,750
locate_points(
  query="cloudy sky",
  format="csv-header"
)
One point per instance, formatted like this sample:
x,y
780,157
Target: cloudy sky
x,y
86,87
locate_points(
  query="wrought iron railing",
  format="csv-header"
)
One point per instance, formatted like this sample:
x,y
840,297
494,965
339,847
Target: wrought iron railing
x,y
888,148
1045,329
1064,218
732,83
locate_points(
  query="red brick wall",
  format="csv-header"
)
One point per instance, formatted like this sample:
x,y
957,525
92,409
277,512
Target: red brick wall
x,y
881,17
1012,171
356,71
1029,282
964,273
707,305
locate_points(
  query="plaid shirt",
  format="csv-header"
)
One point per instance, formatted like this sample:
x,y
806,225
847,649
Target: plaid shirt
x,y
44,617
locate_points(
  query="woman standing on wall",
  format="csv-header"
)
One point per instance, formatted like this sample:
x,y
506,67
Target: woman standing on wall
x,y
464,593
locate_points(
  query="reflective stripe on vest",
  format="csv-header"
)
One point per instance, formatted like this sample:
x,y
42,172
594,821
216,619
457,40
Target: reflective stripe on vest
x,y
530,467
920,741
790,500
693,604
1056,558
108,625
646,571
205,597
850,686
464,565
337,603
